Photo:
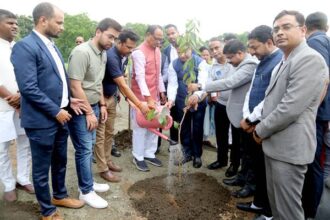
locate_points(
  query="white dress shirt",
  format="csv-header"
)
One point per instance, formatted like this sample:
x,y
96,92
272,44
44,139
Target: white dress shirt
x,y
172,86
51,47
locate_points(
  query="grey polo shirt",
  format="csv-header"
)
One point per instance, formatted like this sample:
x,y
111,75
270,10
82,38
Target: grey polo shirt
x,y
87,64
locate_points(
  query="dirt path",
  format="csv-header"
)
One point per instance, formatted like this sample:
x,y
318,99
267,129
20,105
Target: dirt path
x,y
120,203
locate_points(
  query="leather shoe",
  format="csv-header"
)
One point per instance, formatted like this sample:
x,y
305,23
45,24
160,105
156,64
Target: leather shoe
x,y
108,176
27,188
216,165
197,163
113,167
55,216
10,196
246,206
183,161
68,203
234,182
243,193
231,171
115,152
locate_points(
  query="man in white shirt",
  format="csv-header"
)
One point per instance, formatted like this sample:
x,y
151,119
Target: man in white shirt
x,y
10,128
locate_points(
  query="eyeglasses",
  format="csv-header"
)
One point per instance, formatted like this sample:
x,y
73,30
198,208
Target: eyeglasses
x,y
79,42
159,39
285,27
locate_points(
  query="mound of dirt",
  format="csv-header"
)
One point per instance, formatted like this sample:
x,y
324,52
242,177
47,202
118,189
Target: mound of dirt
x,y
195,196
123,139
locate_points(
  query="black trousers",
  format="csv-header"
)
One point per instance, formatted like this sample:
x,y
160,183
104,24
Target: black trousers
x,y
222,124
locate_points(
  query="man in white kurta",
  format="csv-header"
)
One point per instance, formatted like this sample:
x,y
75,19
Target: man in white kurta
x,y
10,128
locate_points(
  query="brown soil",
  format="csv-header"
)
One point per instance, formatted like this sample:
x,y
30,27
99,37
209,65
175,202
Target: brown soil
x,y
195,196
19,210
123,139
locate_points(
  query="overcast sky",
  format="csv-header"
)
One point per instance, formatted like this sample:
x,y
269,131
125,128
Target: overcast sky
x,y
216,16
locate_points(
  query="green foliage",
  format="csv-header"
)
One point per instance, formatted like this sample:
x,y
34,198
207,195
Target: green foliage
x,y
139,29
25,24
190,40
75,25
162,119
176,125
151,114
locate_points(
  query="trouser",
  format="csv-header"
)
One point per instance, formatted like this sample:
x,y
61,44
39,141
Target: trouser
x,y
258,165
222,124
192,131
284,186
313,185
144,141
49,150
237,141
23,153
104,136
83,141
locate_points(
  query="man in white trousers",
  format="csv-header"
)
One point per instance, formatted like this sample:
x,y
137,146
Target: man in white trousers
x,y
10,128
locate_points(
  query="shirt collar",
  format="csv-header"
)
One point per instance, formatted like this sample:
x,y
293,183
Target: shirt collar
x,y
94,48
44,39
7,43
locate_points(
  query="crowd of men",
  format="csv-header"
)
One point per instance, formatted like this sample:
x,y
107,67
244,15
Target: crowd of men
x,y
272,94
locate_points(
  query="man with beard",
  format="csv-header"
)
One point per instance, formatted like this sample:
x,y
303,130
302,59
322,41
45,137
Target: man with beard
x,y
86,71
42,82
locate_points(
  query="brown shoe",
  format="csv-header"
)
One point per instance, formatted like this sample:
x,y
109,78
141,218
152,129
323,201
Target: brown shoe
x,y
109,176
55,216
10,196
113,167
27,188
68,203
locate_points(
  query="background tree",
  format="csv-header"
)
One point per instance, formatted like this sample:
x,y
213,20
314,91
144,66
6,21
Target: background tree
x,y
25,24
139,28
75,25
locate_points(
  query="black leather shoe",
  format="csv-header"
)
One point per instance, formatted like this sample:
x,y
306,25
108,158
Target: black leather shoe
x,y
234,182
246,206
216,165
115,152
183,161
243,193
197,163
231,171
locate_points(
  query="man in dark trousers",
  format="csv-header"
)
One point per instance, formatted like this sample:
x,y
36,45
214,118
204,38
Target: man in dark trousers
x,y
43,84
261,45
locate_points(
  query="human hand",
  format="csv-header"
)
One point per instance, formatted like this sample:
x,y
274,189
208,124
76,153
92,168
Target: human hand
x,y
163,98
192,87
91,121
14,100
63,116
256,138
103,114
144,108
193,102
169,104
78,105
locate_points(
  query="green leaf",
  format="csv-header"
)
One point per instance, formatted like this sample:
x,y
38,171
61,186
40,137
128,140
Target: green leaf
x,y
176,125
151,114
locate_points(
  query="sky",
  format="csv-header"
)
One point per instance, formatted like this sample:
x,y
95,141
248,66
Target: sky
x,y
216,16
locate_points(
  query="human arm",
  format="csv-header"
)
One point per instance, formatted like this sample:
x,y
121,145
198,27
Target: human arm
x,y
239,77
139,63
302,90
124,89
28,73
172,86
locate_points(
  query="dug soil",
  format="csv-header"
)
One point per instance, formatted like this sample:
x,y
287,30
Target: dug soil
x,y
193,196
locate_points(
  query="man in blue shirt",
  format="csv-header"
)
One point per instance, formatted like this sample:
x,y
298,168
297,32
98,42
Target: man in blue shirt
x,y
117,59
317,39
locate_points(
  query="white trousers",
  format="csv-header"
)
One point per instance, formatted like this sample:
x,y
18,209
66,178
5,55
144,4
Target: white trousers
x,y
11,122
144,142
